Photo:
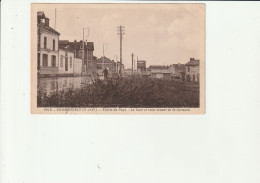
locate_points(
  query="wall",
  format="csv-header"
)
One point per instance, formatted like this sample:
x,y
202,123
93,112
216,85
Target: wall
x,y
193,72
77,66
62,62
50,37
50,54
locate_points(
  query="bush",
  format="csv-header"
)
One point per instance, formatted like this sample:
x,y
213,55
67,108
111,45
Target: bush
x,y
131,91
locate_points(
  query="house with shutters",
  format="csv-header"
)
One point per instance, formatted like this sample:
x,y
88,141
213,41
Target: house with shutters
x,y
47,48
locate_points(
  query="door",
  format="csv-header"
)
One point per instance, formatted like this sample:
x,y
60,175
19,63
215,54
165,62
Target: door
x,y
66,63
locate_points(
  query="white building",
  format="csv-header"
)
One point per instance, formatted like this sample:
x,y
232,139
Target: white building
x,y
48,49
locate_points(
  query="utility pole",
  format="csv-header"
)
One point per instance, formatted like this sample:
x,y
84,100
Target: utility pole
x,y
55,19
116,65
83,63
103,58
120,32
83,50
136,62
132,63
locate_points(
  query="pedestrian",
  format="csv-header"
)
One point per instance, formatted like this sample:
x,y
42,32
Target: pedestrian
x,y
105,73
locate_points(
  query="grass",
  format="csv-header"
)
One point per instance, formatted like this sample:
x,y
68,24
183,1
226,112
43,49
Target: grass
x,y
125,92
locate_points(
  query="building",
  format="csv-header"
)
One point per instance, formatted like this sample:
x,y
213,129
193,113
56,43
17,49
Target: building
x,y
47,48
128,72
104,62
66,64
192,70
158,71
178,70
141,66
89,65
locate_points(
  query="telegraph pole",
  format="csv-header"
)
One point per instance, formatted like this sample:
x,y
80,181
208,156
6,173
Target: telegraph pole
x,y
132,63
55,19
103,58
83,50
120,32
83,54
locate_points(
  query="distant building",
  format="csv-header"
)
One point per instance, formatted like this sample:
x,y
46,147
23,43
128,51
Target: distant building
x,y
47,48
104,62
159,71
128,71
192,70
178,70
141,66
89,65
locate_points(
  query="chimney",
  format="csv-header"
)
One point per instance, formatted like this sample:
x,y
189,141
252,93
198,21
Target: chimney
x,y
191,59
47,20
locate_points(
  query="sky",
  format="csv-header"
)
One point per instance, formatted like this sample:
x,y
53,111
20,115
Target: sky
x,y
161,34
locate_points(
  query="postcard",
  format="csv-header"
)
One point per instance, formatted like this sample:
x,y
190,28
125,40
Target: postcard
x,y
118,58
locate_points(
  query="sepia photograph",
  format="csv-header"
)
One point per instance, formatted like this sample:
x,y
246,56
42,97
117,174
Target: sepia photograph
x,y
118,56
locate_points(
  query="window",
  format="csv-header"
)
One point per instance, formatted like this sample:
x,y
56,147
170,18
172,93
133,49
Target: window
x,y
61,61
66,63
188,69
44,60
70,62
53,61
38,60
53,44
45,42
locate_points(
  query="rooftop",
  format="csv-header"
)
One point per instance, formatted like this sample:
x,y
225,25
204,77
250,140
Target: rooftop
x,y
43,26
106,60
157,67
193,62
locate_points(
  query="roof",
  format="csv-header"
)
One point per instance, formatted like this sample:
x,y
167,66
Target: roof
x,y
161,72
65,50
76,45
179,66
106,60
193,62
40,14
43,26
63,41
157,67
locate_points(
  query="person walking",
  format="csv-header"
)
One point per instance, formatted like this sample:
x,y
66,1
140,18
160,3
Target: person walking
x,y
105,73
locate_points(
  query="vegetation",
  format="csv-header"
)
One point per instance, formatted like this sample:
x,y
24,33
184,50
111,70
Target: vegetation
x,y
125,92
